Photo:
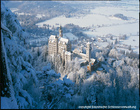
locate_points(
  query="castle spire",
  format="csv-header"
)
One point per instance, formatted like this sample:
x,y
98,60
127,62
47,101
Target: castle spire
x,y
60,31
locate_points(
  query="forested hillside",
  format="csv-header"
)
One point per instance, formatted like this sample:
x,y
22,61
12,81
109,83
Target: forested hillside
x,y
21,86
19,79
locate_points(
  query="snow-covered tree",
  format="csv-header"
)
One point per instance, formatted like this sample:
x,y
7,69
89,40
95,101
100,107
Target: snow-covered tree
x,y
114,54
45,52
116,41
55,92
9,20
19,74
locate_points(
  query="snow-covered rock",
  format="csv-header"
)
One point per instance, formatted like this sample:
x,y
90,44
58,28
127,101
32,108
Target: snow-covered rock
x,y
8,103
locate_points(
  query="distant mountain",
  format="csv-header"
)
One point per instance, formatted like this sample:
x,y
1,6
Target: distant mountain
x,y
44,7
31,12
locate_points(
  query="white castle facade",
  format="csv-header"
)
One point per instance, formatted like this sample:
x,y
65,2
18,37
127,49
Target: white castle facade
x,y
62,46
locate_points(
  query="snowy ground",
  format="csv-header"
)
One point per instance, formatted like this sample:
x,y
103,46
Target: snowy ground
x,y
115,30
101,44
98,16
86,21
134,42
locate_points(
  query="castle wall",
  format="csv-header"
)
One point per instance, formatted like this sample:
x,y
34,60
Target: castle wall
x,y
61,47
68,56
86,56
53,46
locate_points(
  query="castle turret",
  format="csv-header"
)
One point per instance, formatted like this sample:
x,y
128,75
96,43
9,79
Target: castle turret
x,y
60,32
88,51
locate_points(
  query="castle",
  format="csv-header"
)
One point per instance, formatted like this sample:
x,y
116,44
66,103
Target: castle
x,y
62,46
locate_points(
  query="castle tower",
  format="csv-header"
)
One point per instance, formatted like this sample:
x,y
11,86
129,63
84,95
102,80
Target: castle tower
x,y
89,68
60,32
56,45
53,45
88,51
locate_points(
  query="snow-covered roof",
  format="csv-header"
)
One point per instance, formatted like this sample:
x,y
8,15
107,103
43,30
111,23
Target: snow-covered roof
x,y
82,61
64,40
67,53
92,60
77,50
82,54
52,37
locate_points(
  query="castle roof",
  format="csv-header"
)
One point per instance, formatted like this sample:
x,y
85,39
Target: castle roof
x,y
82,54
63,40
52,37
68,53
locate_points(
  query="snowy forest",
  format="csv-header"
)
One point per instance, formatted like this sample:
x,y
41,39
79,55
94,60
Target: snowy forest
x,y
31,79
